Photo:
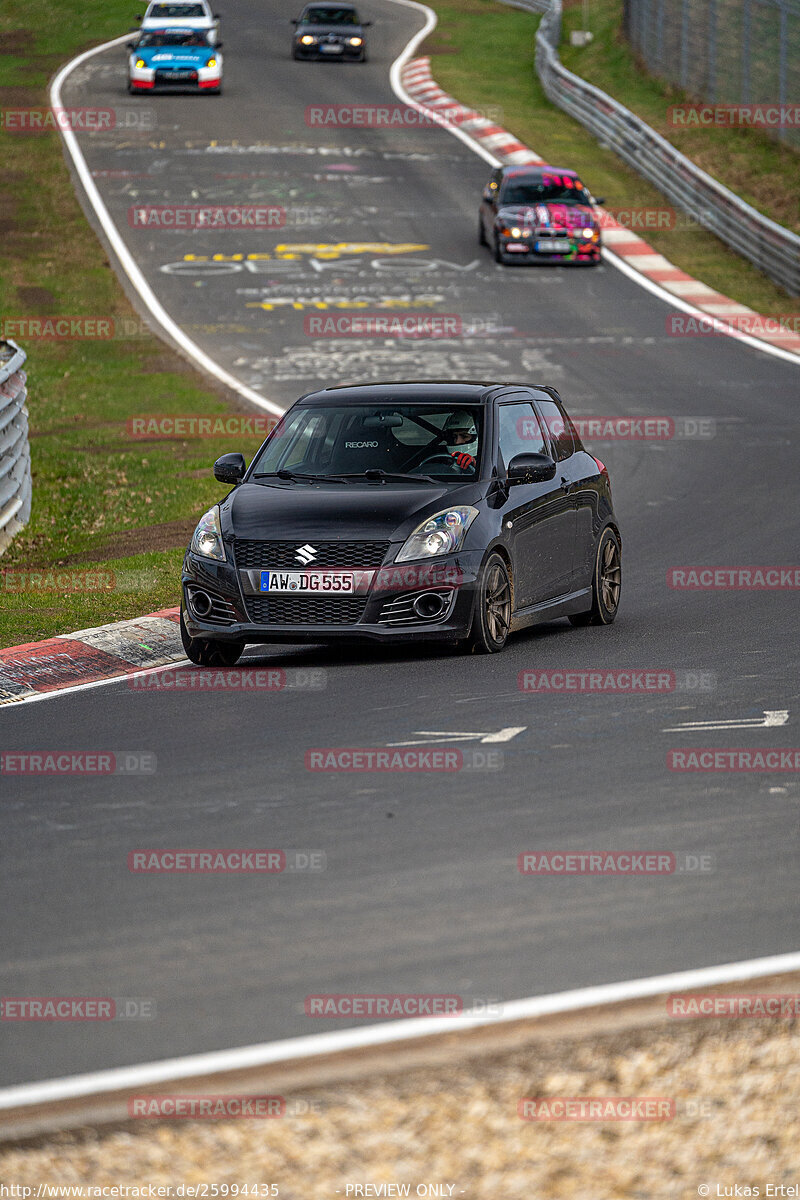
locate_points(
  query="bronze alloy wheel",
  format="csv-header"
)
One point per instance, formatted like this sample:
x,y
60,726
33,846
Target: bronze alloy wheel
x,y
492,621
606,582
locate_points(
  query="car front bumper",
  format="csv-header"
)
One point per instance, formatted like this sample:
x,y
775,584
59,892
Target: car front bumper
x,y
381,612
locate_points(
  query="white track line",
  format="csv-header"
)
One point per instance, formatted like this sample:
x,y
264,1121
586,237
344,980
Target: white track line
x,y
126,259
613,259
294,1049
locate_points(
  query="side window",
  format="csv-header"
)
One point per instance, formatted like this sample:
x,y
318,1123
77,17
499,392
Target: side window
x,y
519,431
559,427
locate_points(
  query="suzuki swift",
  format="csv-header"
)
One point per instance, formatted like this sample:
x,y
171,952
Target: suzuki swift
x,y
404,512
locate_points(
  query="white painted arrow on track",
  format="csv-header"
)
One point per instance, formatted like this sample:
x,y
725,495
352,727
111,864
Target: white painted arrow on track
x,y
769,720
425,737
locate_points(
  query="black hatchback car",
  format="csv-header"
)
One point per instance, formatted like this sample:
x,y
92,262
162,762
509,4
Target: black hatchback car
x,y
329,31
404,512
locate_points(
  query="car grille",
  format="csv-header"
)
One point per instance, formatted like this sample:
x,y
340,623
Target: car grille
x,y
305,610
263,556
177,76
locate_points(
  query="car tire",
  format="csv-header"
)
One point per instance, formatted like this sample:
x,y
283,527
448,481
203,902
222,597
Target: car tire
x,y
481,233
606,582
208,652
491,621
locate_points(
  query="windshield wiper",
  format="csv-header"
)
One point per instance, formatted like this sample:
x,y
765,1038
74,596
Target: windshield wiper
x,y
292,476
378,474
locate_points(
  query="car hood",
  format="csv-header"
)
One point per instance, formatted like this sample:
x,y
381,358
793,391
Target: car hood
x,y
557,216
188,56
350,511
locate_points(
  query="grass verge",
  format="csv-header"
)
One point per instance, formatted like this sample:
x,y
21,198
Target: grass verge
x,y
483,54
102,502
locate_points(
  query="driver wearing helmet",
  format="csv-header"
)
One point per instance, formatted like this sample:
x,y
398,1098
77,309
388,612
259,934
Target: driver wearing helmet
x,y
460,432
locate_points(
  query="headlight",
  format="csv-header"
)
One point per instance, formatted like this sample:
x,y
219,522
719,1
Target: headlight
x,y
212,62
516,232
308,40
442,533
207,537
354,41
140,63
587,233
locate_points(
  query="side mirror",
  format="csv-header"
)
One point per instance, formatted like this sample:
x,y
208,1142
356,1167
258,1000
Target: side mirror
x,y
365,24
294,21
230,468
139,17
488,194
529,468
131,45
598,199
218,45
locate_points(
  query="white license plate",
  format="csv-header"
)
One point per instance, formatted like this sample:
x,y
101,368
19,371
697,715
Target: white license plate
x,y
554,247
330,582
331,49
516,248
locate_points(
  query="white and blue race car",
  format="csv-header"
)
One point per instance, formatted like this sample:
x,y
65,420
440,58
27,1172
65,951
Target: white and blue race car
x,y
174,60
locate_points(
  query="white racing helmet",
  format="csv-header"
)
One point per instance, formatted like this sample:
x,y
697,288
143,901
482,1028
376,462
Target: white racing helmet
x,y
461,423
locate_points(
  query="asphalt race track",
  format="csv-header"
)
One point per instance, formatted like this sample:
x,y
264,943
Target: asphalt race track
x,y
421,891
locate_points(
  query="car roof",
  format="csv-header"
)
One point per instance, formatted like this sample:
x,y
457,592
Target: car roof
x,y
534,172
433,391
328,4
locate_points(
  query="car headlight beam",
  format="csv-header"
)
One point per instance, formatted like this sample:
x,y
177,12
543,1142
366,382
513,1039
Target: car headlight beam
x,y
443,533
207,537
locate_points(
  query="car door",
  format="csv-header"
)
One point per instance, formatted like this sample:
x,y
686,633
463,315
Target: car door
x,y
574,469
489,201
539,518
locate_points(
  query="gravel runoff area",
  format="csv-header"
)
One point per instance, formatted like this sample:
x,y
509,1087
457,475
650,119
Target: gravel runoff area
x,y
455,1130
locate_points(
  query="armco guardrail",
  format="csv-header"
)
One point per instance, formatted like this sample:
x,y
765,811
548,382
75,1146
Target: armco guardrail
x,y
770,247
15,454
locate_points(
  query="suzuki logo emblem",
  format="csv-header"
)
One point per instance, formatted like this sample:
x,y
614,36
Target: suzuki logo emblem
x,y
306,554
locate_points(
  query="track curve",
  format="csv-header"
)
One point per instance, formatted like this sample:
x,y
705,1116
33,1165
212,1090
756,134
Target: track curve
x,y
421,891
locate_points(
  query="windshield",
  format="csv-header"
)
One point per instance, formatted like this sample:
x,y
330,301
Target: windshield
x,y
178,11
329,16
173,39
442,441
547,189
